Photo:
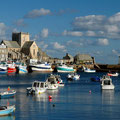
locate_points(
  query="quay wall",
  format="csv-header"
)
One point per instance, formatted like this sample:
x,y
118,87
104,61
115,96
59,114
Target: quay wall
x,y
107,67
97,67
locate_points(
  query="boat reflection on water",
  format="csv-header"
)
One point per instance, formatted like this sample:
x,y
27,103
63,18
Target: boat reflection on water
x,y
43,97
11,74
107,96
52,92
7,118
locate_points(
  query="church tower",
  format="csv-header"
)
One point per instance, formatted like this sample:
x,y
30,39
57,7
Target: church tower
x,y
20,38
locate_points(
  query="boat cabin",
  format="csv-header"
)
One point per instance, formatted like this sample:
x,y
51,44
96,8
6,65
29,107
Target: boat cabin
x,y
106,80
52,79
38,84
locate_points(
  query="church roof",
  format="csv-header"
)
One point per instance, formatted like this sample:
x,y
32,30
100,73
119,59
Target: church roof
x,y
11,44
27,44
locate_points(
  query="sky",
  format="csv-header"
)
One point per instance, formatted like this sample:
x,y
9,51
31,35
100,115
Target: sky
x,y
66,26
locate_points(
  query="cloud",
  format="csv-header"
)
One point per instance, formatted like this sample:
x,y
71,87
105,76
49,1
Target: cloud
x,y
90,22
112,28
3,29
44,33
37,13
103,42
72,33
74,44
56,45
116,52
65,11
20,23
45,46
95,26
90,33
115,18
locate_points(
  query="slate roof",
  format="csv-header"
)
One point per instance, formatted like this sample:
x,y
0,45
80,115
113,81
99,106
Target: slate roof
x,y
11,44
27,44
83,57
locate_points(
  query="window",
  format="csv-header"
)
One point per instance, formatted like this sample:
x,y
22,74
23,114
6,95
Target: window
x,y
33,51
2,55
34,46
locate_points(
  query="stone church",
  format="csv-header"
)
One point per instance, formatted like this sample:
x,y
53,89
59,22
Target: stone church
x,y
21,48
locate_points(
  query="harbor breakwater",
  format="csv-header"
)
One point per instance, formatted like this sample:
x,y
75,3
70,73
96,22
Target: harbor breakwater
x,y
100,67
107,67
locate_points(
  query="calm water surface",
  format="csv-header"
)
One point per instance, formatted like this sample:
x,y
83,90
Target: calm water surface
x,y
71,102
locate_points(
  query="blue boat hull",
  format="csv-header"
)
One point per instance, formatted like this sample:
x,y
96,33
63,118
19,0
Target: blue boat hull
x,y
7,110
7,96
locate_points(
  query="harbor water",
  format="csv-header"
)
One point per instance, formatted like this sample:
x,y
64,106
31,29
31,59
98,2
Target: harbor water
x,y
78,100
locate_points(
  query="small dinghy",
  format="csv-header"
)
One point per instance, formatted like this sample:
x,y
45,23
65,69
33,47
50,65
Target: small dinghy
x,y
73,76
115,74
88,70
6,110
7,94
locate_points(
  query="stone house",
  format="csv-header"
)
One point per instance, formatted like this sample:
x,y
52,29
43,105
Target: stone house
x,y
13,49
3,52
68,58
83,59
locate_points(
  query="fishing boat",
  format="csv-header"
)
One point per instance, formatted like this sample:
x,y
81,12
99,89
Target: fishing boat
x,y
73,76
37,87
64,68
11,68
41,67
7,94
88,70
52,82
7,110
115,74
3,69
106,83
22,69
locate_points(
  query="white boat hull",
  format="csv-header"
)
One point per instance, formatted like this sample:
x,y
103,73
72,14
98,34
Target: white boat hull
x,y
39,91
52,87
90,71
114,75
108,87
41,70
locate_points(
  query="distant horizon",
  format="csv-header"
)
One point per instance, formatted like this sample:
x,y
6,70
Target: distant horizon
x,y
66,26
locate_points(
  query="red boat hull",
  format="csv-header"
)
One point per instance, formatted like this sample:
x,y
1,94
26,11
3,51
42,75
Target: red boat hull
x,y
11,70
